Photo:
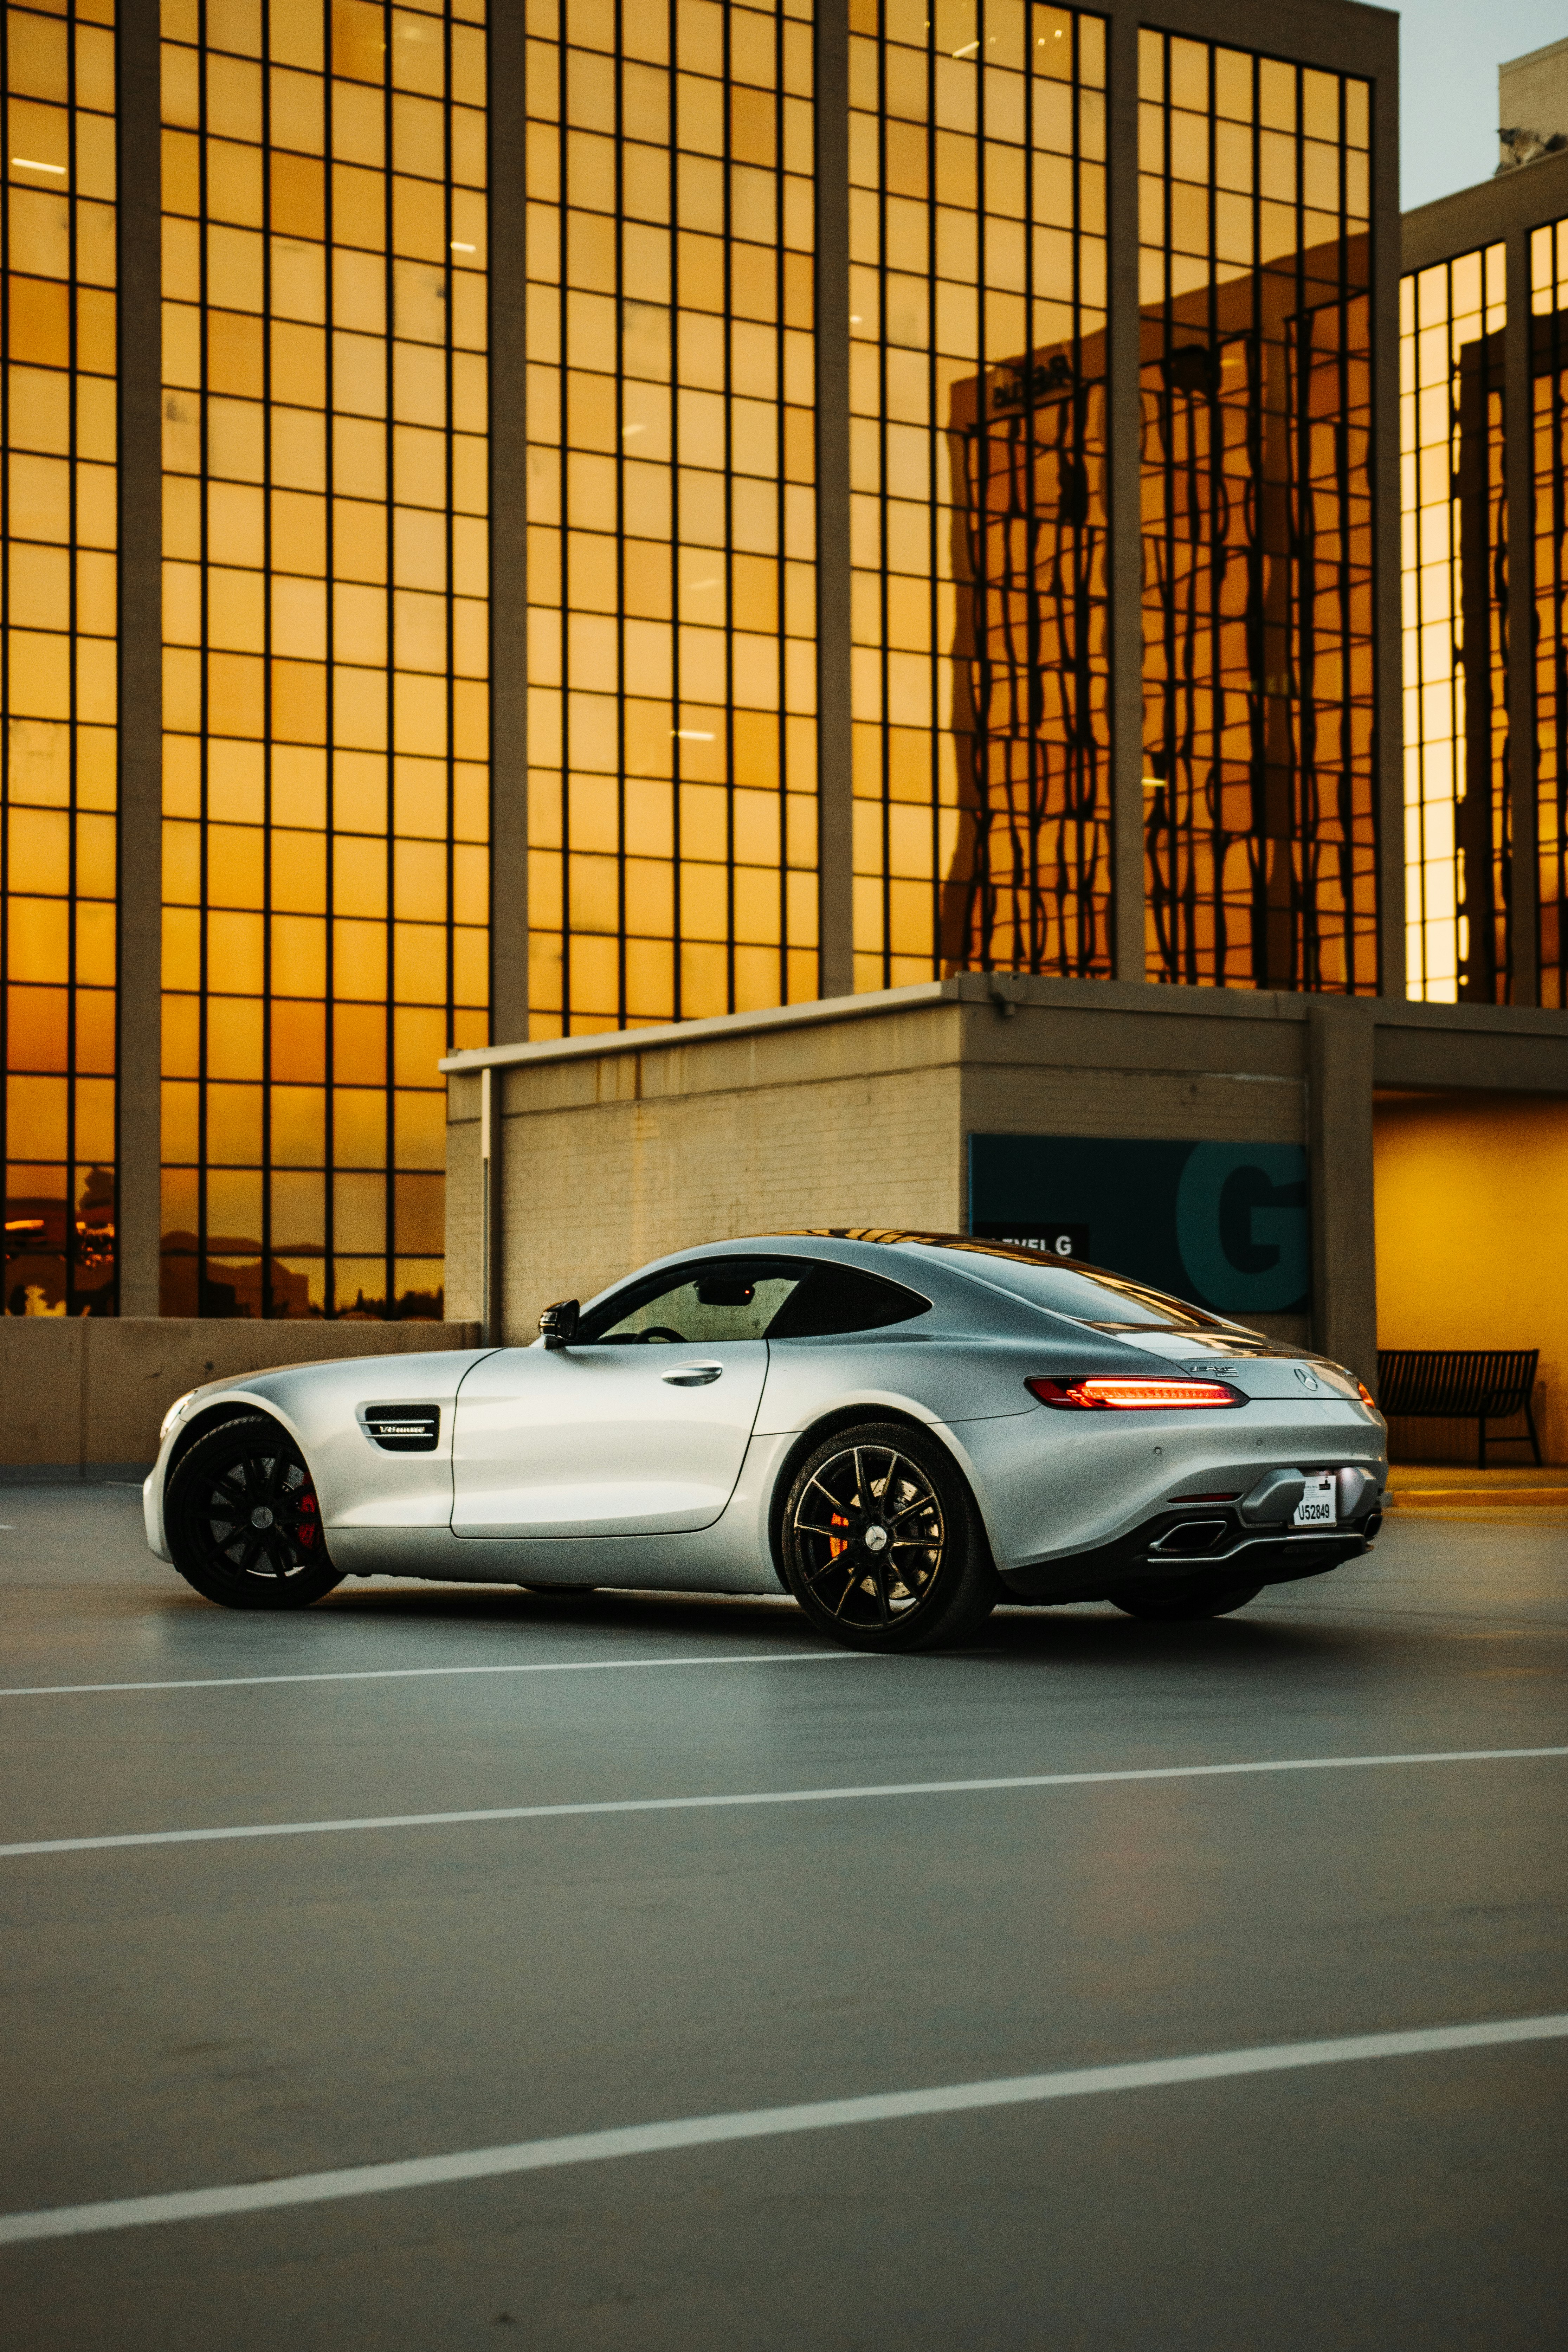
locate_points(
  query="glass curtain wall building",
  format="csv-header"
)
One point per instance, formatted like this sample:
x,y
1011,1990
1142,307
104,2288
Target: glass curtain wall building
x,y
1259,675
1457,868
58,521
977,457
1549,534
1034,341
672,511
1484,441
326,730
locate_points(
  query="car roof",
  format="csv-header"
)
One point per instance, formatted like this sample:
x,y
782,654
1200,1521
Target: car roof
x,y
961,1258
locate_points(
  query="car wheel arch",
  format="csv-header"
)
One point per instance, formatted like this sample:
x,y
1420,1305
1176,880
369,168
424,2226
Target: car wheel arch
x,y
213,1416
850,1416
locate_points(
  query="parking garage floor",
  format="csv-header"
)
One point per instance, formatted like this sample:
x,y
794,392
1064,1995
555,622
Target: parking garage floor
x,y
523,2038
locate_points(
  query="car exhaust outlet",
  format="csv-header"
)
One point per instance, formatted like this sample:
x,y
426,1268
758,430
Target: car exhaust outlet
x,y
1273,1498
1190,1540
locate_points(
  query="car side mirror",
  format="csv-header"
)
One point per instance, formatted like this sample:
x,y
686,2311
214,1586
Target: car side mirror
x,y
558,1323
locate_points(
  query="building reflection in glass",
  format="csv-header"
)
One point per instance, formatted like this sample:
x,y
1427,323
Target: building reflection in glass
x,y
1254,271
1030,888
1549,475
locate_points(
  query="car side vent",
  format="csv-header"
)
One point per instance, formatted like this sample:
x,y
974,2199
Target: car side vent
x,y
403,1428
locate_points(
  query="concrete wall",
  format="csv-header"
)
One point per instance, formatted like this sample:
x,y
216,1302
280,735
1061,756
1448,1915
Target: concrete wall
x,y
1050,1069
609,1161
1472,1247
617,1148
83,1397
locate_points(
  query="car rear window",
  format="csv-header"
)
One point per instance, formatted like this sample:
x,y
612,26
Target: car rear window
x,y
1090,1295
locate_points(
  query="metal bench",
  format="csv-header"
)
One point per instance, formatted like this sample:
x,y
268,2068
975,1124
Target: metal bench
x,y
1480,1385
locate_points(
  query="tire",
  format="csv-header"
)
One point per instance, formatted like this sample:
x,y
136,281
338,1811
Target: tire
x,y
1210,1596
221,1544
879,1476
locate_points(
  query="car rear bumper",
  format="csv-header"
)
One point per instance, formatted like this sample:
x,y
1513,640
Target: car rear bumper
x,y
1175,1546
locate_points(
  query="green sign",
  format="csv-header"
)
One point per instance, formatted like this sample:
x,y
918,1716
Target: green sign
x,y
1224,1225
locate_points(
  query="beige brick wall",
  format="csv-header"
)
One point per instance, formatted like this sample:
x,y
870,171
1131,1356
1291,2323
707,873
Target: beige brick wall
x,y
664,1151
591,1194
613,1159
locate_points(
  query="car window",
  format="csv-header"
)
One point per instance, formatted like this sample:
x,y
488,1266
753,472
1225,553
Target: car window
x,y
1087,1293
1108,1301
729,1300
839,1298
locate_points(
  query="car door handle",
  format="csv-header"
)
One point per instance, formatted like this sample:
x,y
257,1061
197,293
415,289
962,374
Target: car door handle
x,y
692,1376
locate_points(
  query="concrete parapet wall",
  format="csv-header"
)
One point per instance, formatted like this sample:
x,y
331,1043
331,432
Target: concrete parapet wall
x,y
82,1397
592,1193
619,1147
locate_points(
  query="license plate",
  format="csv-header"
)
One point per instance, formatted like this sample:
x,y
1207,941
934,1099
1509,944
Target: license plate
x,y
1317,1507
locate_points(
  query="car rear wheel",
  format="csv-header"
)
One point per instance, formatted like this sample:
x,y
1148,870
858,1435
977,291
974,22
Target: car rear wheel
x,y
881,1543
1210,1596
243,1521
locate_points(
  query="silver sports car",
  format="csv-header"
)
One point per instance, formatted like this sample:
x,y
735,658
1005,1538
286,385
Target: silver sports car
x,y
900,1429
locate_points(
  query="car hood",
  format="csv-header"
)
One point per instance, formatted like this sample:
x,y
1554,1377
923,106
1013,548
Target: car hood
x,y
1256,1366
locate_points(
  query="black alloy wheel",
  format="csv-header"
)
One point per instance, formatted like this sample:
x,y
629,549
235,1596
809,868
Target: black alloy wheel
x,y
243,1521
882,1545
1185,1604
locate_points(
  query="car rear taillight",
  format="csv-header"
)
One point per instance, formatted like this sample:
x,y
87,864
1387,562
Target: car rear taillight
x,y
1118,1393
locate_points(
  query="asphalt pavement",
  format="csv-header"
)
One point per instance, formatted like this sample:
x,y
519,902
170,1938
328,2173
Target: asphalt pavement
x,y
389,2045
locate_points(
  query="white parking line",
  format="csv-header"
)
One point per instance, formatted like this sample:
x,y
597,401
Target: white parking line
x,y
760,1797
759,2123
417,1674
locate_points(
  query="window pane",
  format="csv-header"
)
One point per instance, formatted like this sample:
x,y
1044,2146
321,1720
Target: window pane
x,y
302,684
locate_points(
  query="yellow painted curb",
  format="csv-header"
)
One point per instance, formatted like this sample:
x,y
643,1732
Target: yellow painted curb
x,y
1441,1498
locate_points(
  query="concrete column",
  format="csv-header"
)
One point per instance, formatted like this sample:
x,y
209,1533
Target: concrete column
x,y
1518,489
493,1261
509,528
1126,497
139,1009
834,787
1339,1037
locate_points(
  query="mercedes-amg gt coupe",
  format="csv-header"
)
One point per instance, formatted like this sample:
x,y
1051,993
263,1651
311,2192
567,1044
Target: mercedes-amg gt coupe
x,y
900,1429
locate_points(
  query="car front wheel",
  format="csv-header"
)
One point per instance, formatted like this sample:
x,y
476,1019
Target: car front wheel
x,y
1208,1596
243,1521
881,1543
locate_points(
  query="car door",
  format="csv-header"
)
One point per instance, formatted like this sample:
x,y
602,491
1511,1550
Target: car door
x,y
638,1427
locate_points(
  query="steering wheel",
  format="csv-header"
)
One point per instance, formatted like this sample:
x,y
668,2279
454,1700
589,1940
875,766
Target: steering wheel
x,y
663,1331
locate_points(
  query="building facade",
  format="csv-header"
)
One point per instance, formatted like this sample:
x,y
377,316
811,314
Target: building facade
x,y
582,516
1484,442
